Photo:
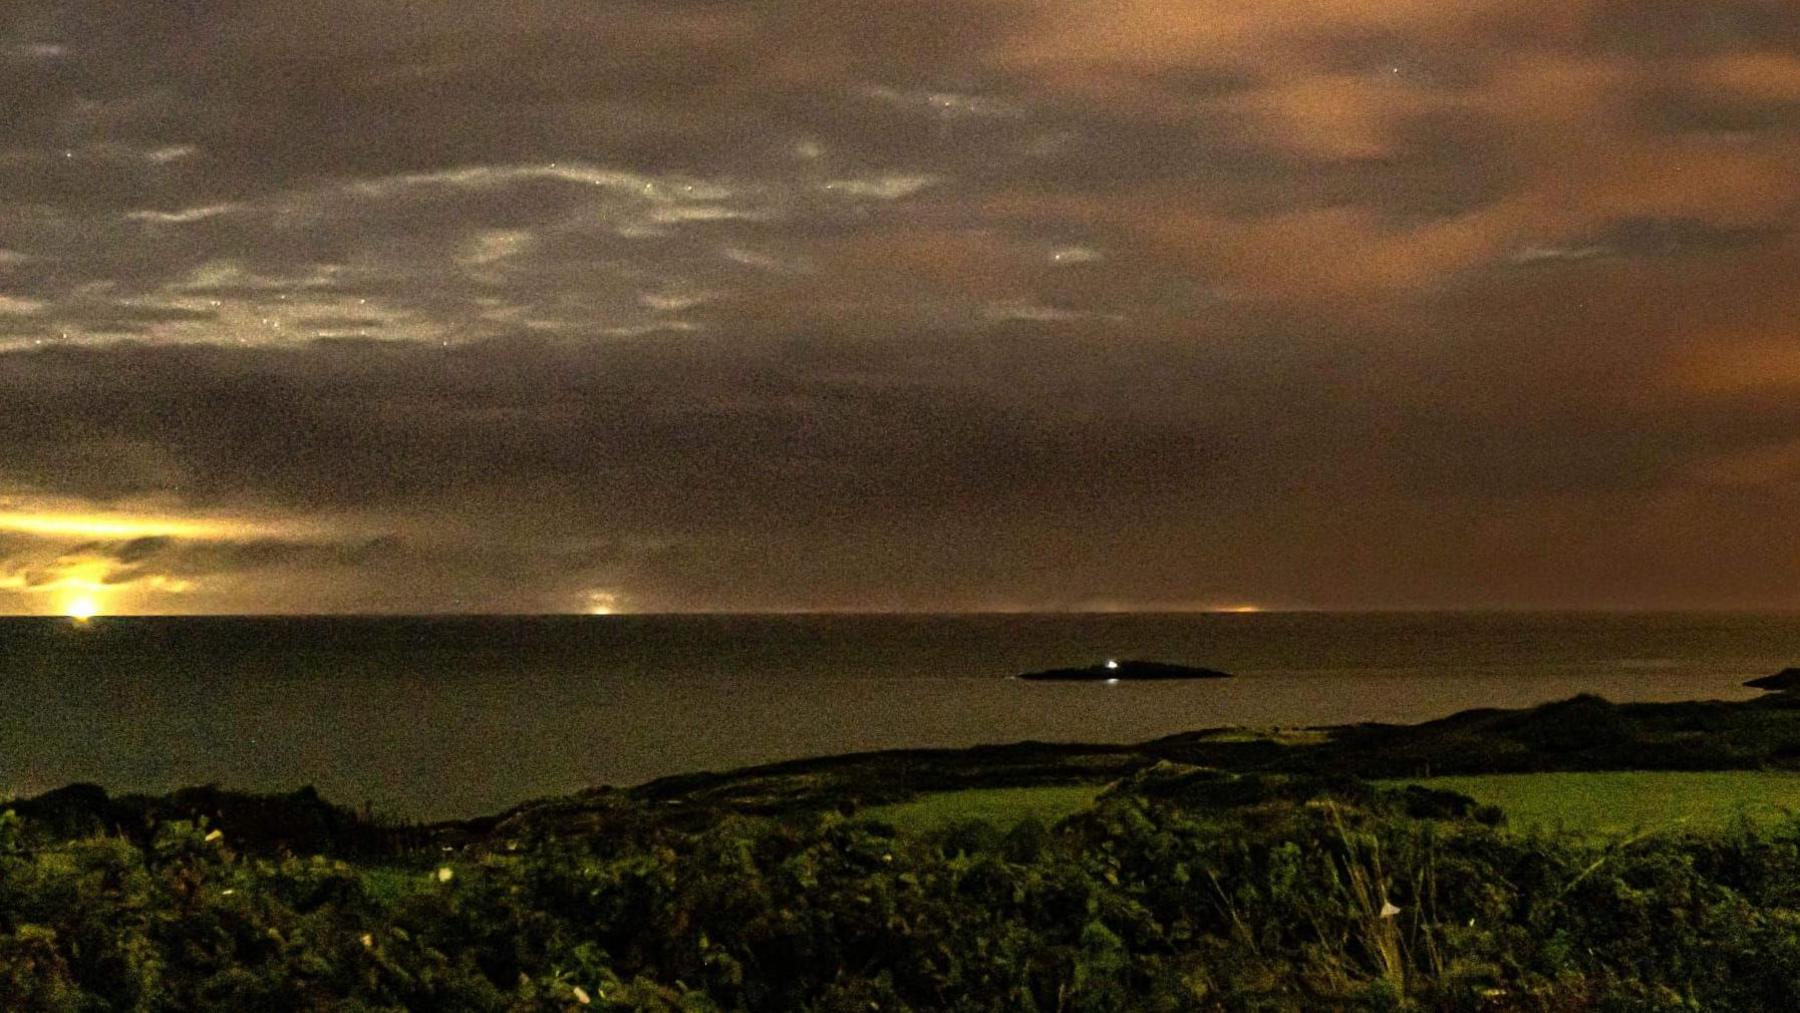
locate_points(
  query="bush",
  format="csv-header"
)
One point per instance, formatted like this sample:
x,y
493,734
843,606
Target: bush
x,y
1172,893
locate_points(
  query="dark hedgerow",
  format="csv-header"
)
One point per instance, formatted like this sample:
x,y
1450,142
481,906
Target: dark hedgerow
x,y
1282,893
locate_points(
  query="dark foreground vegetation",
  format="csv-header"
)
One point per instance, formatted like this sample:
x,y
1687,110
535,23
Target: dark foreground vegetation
x,y
1216,871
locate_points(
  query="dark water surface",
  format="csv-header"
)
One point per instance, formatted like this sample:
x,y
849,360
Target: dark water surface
x,y
439,717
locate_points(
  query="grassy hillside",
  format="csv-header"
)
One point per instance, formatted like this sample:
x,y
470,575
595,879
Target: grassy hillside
x,y
1219,870
1618,802
1003,807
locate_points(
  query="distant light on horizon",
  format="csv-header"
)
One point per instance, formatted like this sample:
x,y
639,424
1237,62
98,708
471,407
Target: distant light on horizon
x,y
82,609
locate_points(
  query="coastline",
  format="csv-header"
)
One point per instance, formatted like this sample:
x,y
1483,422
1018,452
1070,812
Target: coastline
x,y
1582,733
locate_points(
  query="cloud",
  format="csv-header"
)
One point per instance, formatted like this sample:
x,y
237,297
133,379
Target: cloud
x,y
54,557
715,304
1541,254
1026,310
945,104
1075,255
38,51
1653,237
648,188
182,217
881,187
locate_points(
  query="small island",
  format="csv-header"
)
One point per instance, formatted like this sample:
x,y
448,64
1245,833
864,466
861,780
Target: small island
x,y
1125,671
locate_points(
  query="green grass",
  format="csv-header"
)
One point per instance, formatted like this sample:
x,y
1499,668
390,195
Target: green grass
x,y
1279,736
1002,807
1620,802
388,883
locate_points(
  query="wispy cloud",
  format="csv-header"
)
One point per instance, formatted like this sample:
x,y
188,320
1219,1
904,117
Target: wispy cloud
x,y
881,187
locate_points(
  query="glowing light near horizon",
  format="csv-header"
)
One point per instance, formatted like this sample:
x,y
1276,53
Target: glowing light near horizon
x,y
1240,609
106,526
602,603
82,586
54,523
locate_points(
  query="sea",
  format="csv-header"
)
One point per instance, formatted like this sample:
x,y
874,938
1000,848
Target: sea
x,y
444,717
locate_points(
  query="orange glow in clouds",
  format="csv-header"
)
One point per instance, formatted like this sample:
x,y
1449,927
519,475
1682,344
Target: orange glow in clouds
x,y
123,526
84,582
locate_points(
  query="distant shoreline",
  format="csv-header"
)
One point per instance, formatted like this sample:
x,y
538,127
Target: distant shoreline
x,y
1583,733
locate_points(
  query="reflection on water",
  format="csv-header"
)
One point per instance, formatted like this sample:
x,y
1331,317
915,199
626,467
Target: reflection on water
x,y
442,717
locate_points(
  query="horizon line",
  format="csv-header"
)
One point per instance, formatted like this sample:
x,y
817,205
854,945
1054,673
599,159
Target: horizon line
x,y
950,613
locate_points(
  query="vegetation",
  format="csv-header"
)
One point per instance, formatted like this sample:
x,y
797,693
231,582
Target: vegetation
x,y
1618,802
1003,807
1182,886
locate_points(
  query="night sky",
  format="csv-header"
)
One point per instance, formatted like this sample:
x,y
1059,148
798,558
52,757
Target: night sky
x,y
547,306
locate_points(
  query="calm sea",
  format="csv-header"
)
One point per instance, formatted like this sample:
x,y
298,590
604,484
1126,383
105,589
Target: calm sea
x,y
440,717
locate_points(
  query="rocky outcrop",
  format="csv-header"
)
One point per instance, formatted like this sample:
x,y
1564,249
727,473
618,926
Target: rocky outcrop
x,y
1787,680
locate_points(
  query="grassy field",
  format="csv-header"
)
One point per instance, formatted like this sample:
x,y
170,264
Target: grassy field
x,y
1606,802
1000,806
1620,802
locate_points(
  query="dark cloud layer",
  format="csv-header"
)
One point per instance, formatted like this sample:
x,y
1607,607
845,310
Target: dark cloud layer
x,y
547,306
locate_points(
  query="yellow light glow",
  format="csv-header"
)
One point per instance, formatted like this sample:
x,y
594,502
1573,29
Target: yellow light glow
x,y
66,520
1242,609
108,526
82,609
